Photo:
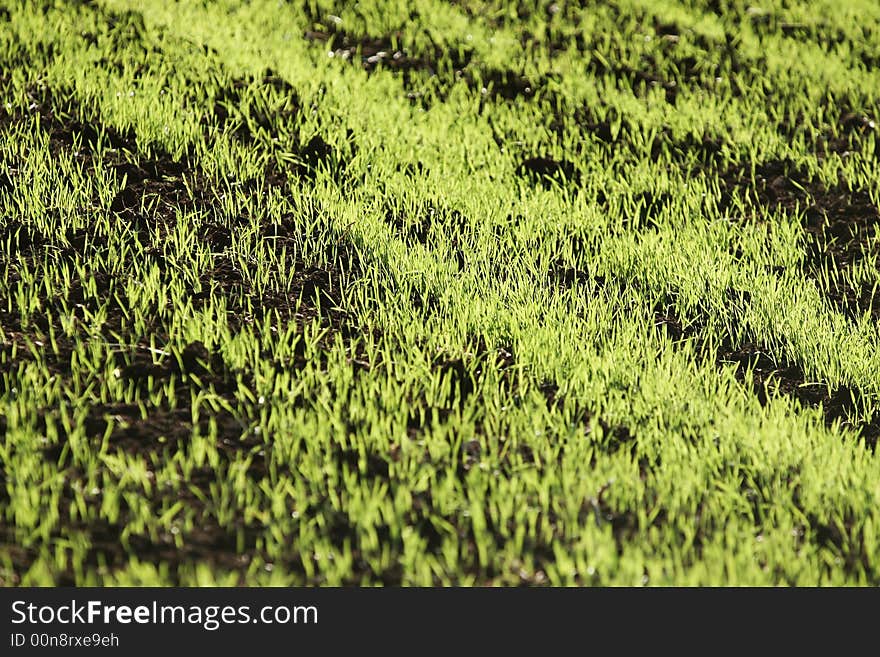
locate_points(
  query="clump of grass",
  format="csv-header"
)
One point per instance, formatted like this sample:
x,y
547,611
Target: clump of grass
x,y
494,295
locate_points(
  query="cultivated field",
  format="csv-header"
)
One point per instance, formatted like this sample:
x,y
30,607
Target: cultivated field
x,y
428,293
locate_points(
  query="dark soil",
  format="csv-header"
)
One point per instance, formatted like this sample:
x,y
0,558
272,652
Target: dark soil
x,y
767,375
444,67
162,431
840,227
648,207
372,52
847,124
640,80
442,227
613,134
251,108
153,189
265,111
423,75
502,84
413,229
562,274
547,171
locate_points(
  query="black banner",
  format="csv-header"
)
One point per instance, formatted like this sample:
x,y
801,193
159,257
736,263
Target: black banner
x,y
150,621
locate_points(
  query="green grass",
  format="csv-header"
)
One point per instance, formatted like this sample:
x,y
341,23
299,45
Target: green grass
x,y
281,309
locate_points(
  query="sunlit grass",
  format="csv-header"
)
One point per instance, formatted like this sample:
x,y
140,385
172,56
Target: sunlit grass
x,y
396,357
